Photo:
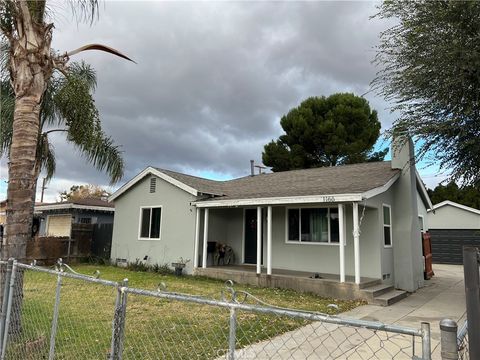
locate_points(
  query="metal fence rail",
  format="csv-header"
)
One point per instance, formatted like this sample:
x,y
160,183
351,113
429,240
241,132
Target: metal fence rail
x,y
60,314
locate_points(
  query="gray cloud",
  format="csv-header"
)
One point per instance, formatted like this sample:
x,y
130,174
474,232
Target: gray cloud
x,y
213,79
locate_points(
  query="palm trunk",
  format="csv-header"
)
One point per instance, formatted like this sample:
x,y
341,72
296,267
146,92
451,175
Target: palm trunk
x,y
30,68
21,179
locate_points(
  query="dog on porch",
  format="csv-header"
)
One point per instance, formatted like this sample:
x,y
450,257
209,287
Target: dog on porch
x,y
223,255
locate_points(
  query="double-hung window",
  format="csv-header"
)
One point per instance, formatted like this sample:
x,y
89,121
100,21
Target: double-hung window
x,y
387,225
312,225
150,221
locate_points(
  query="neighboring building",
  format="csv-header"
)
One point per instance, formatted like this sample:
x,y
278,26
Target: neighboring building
x,y
285,228
56,218
452,226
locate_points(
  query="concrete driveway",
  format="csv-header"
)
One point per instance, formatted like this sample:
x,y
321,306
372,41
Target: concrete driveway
x,y
442,297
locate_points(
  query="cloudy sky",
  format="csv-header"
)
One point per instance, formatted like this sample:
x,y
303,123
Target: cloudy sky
x,y
212,79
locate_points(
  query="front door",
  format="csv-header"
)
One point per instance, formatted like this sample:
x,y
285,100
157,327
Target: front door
x,y
250,241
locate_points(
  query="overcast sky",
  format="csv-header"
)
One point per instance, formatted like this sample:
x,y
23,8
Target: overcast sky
x,y
213,79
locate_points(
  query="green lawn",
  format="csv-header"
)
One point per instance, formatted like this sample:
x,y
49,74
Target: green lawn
x,y
155,328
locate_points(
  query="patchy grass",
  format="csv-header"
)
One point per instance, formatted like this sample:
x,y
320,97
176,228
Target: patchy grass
x,y
155,328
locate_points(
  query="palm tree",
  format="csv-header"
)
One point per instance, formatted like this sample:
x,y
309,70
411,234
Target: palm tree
x,y
76,115
31,64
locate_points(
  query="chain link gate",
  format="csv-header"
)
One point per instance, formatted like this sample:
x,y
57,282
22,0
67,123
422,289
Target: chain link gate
x,y
60,314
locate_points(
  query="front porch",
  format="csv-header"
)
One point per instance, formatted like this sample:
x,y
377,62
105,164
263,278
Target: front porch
x,y
327,285
303,238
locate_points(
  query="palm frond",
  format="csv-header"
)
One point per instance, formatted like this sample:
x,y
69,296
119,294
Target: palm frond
x,y
7,16
46,156
99,47
84,10
83,71
102,153
7,107
77,108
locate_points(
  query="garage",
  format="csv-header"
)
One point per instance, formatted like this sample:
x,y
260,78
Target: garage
x,y
452,226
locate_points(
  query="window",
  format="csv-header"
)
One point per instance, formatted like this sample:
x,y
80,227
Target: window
x,y
150,220
387,225
313,225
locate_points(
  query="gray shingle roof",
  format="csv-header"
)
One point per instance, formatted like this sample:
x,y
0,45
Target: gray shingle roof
x,y
202,185
346,179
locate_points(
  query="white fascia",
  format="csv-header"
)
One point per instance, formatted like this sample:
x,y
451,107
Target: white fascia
x,y
152,171
381,189
329,198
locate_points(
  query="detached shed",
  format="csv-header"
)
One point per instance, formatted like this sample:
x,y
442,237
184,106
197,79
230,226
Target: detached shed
x,y
452,226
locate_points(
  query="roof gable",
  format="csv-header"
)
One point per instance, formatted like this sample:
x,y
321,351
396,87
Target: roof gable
x,y
456,205
161,174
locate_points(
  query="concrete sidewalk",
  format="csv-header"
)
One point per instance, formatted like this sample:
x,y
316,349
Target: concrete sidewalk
x,y
442,297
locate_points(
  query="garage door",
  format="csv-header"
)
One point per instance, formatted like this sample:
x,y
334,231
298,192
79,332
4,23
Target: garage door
x,y
447,245
59,225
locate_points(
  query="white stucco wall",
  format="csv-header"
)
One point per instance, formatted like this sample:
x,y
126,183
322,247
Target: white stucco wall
x,y
451,217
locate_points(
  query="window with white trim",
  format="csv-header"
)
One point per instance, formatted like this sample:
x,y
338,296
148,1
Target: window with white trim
x,y
150,221
387,225
313,225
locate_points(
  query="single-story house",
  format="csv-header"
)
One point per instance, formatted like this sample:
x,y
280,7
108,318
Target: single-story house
x,y
55,219
332,230
452,226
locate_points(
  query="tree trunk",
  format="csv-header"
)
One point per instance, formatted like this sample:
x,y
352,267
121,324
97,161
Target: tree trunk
x,y
21,179
31,66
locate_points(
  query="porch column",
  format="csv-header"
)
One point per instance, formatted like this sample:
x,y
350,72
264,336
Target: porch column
x,y
205,239
197,238
259,240
269,240
356,243
341,235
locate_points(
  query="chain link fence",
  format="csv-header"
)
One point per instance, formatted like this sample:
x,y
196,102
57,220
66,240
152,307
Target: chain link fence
x,y
60,314
462,342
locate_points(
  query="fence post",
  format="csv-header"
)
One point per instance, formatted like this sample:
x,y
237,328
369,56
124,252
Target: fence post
x,y
6,290
118,325
11,290
232,339
53,334
472,295
426,344
448,339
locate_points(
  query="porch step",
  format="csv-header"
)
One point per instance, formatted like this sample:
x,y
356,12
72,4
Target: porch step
x,y
366,284
377,290
390,297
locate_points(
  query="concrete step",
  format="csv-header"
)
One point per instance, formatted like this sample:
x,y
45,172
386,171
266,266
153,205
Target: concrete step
x,y
369,283
377,290
390,297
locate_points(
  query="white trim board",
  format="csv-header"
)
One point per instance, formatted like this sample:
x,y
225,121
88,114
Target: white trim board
x,y
60,206
381,189
330,198
457,205
152,171
423,191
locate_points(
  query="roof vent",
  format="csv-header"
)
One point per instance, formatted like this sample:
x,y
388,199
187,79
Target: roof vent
x,y
153,184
